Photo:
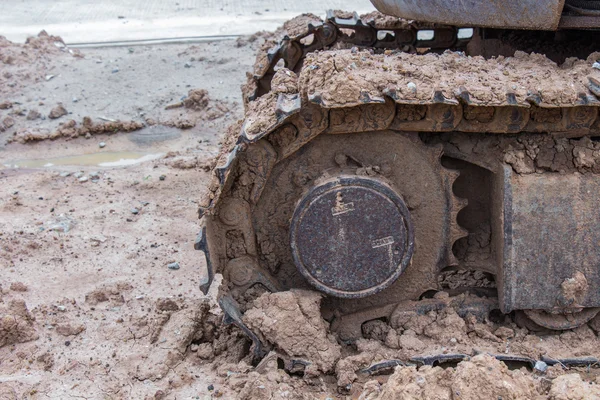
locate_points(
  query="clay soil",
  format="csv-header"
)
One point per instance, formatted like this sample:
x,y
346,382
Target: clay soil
x,y
99,280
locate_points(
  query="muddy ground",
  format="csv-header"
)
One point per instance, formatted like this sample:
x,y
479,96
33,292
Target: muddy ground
x,y
105,154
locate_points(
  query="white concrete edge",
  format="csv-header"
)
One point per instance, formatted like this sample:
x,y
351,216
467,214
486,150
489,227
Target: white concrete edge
x,y
74,33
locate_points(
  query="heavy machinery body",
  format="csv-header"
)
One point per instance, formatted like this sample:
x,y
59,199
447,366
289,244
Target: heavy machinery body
x,y
399,165
509,14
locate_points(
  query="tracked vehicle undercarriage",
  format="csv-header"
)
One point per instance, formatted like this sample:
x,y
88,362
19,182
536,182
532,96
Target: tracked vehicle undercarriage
x,y
397,178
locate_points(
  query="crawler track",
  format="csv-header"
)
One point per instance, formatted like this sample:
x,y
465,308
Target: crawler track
x,y
448,130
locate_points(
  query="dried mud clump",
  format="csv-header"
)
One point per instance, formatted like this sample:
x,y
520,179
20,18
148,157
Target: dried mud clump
x,y
197,99
171,342
383,21
572,387
200,108
29,62
483,377
35,47
57,112
16,323
71,130
343,78
6,123
178,161
284,81
292,322
553,154
112,293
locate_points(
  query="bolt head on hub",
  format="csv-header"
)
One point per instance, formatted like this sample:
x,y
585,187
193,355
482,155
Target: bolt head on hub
x,y
351,236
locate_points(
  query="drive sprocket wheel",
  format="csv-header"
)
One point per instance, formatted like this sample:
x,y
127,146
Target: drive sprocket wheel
x,y
367,218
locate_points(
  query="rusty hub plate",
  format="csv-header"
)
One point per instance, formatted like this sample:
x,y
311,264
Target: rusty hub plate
x,y
351,237
520,14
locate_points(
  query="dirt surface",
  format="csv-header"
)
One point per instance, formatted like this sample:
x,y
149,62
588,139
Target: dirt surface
x,y
99,289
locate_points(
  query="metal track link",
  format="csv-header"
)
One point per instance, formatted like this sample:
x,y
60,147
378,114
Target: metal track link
x,y
374,30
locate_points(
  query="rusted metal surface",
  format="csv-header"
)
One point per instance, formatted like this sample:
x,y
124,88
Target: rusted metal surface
x,y
579,22
440,359
551,235
563,321
515,360
384,367
519,14
232,315
351,237
202,245
572,362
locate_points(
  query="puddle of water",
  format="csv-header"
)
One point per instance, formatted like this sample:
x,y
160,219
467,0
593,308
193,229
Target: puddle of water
x,y
104,159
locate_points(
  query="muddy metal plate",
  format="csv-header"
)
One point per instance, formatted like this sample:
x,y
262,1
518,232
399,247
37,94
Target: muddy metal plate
x,y
351,237
551,242
519,14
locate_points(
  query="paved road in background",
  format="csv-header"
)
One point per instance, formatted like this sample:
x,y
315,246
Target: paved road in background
x,y
91,21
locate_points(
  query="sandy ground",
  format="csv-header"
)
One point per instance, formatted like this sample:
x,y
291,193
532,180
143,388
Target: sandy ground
x,y
120,228
99,281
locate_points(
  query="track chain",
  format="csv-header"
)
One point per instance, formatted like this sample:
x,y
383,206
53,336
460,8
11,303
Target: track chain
x,y
373,30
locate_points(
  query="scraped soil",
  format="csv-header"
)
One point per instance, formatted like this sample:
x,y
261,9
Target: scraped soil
x,y
99,280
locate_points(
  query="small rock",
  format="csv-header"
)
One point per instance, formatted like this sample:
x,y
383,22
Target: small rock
x,y
115,70
69,330
33,115
135,211
83,179
57,112
62,223
205,351
140,297
75,99
162,177
65,174
94,175
504,332
61,308
174,265
18,287
78,174
166,304
541,366
187,65
412,87
48,77
8,122
102,145
5,105
67,343
596,65
211,387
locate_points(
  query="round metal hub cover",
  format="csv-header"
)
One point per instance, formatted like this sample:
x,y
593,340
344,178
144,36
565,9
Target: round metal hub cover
x,y
351,237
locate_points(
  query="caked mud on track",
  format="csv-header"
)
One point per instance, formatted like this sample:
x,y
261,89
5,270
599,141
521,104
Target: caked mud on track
x,y
412,187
